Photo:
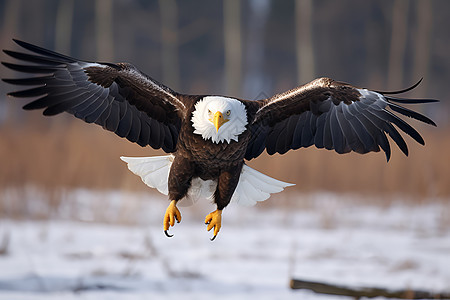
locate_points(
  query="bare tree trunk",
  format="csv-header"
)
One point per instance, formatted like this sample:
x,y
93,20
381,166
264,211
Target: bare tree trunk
x,y
10,29
399,36
233,46
374,33
104,29
422,45
10,20
255,81
304,40
63,28
169,38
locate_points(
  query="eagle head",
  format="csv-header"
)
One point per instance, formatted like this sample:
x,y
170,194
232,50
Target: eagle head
x,y
219,118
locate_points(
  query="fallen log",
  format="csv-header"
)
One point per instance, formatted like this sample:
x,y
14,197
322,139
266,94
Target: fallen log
x,y
357,293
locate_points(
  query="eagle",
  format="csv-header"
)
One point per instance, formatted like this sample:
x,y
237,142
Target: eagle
x,y
208,138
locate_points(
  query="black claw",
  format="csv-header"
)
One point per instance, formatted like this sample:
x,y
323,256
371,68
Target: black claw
x,y
207,223
167,233
213,238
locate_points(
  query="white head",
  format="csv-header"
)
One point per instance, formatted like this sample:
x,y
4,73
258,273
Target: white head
x,y
219,118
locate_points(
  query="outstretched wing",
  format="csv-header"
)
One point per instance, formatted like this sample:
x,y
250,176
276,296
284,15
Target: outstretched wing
x,y
117,97
332,115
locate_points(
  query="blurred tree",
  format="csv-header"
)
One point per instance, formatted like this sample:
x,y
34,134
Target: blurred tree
x,y
399,37
104,29
169,43
375,22
422,44
10,17
233,46
10,20
256,81
304,41
63,26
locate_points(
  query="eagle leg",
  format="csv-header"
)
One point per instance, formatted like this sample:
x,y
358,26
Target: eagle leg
x,y
172,214
214,220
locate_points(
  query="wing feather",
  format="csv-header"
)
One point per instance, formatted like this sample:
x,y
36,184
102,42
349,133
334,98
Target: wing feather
x,y
335,116
348,136
309,130
320,125
297,136
355,141
135,128
327,137
112,121
339,142
117,97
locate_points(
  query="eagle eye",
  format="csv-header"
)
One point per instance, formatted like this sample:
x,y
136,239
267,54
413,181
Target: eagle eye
x,y
228,112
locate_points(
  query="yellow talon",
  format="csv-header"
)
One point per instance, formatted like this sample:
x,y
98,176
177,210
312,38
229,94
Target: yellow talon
x,y
172,214
214,220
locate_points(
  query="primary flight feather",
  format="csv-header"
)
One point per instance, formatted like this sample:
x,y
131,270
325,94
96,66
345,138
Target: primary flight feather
x,y
208,137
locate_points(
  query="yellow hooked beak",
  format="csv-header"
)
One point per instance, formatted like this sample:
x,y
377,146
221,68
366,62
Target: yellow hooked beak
x,y
218,120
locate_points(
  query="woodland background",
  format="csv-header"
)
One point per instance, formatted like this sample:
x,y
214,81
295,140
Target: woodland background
x,y
247,49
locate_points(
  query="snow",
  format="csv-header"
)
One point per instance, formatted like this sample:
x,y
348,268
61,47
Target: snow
x,y
329,238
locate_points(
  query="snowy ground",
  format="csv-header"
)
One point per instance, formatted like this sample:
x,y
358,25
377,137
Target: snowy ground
x,y
257,252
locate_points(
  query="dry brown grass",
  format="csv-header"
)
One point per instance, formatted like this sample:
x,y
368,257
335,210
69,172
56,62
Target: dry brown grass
x,y
56,152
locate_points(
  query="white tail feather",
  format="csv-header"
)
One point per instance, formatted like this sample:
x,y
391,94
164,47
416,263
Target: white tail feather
x,y
253,186
154,171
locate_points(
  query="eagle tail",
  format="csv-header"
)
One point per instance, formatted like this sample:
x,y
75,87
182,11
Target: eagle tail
x,y
154,170
253,186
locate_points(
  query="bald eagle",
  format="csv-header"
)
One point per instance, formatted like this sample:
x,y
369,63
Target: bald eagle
x,y
209,137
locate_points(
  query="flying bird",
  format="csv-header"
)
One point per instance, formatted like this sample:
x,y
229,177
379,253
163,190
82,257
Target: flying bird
x,y
209,137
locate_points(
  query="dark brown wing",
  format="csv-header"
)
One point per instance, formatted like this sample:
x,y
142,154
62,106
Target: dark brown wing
x,y
331,115
117,97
